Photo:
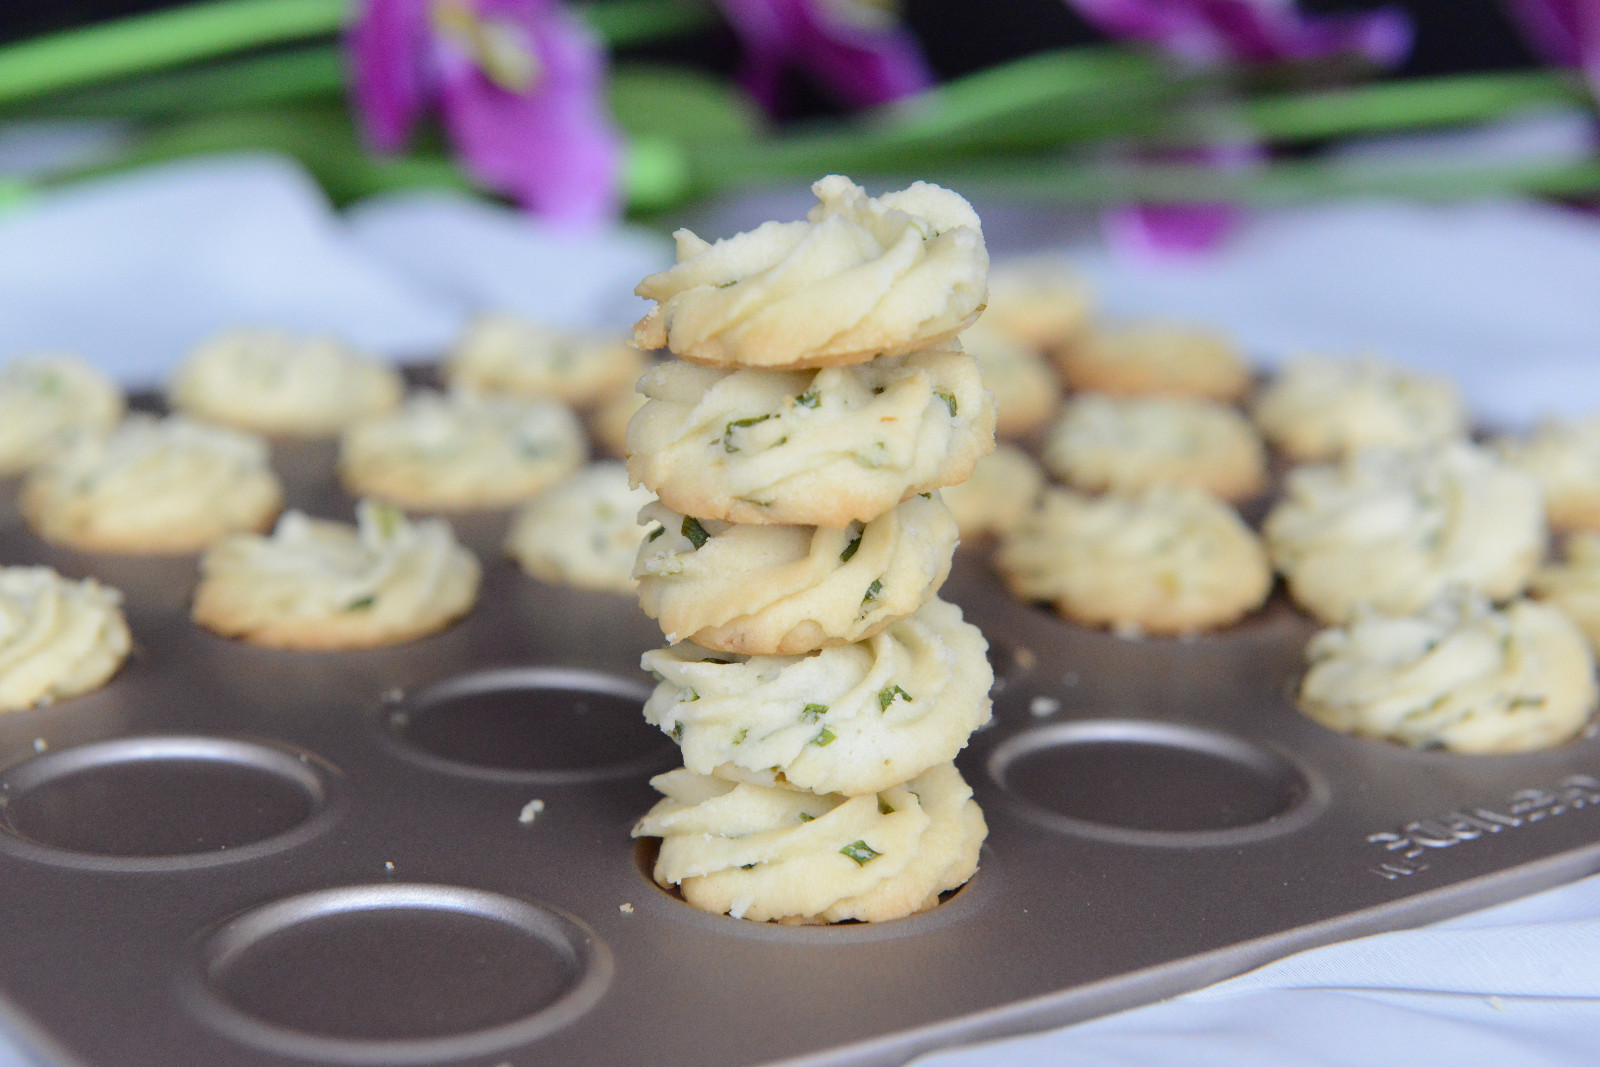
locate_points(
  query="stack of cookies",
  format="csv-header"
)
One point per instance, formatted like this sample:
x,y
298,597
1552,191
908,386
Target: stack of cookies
x,y
818,687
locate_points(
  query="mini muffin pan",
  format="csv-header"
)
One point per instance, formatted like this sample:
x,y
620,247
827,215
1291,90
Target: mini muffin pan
x,y
421,854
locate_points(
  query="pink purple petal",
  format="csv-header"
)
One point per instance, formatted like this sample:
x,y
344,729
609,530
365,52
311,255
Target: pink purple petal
x,y
387,54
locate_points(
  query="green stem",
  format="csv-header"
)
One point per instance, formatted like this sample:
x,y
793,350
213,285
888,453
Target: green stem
x,y
630,22
159,40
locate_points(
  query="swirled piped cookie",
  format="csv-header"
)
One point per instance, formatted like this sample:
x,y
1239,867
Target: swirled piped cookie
x,y
1459,675
1155,358
462,450
582,531
809,448
46,400
767,853
1125,444
1041,303
506,354
1394,529
158,486
1002,489
861,277
58,637
1565,459
608,422
1170,560
781,590
849,719
1026,392
320,584
1573,585
278,383
1318,407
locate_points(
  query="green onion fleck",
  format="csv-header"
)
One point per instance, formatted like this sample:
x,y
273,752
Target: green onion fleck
x,y
808,399
677,731
362,603
873,590
695,532
884,807
739,737
861,852
736,424
886,696
949,401
657,532
825,738
850,549
813,712
806,816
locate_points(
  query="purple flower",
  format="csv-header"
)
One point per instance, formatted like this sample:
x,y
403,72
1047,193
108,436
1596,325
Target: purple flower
x,y
1566,32
518,83
1251,31
854,50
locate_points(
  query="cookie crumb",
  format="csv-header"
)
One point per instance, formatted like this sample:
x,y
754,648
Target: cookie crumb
x,y
1025,658
1043,706
388,865
40,744
530,811
626,909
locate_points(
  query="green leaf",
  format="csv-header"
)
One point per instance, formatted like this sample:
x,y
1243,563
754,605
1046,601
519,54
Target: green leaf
x,y
861,852
681,105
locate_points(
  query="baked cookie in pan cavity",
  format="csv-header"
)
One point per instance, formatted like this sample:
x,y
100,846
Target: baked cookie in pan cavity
x,y
58,637
767,853
45,401
1565,459
282,384
1169,560
153,486
860,277
501,353
1393,529
809,448
1027,394
1125,444
1573,585
1039,302
462,450
782,590
321,584
1156,358
582,531
1319,407
1459,674
1002,489
851,719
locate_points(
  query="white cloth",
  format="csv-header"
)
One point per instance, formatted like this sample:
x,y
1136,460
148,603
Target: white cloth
x,y
132,270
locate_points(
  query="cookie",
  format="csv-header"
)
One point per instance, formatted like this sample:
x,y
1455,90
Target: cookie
x,y
282,384
1319,408
1026,392
1169,560
319,584
153,486
1458,674
849,719
1564,457
507,354
862,277
58,637
608,422
767,853
1156,359
1041,303
1126,444
782,590
809,448
1394,529
1573,585
45,401
1002,489
583,531
462,450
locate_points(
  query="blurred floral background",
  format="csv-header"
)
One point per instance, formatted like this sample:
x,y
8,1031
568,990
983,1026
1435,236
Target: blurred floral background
x,y
1170,115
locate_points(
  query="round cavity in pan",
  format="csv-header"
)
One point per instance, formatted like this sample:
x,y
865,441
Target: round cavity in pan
x,y
162,802
546,724
1141,782
396,974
